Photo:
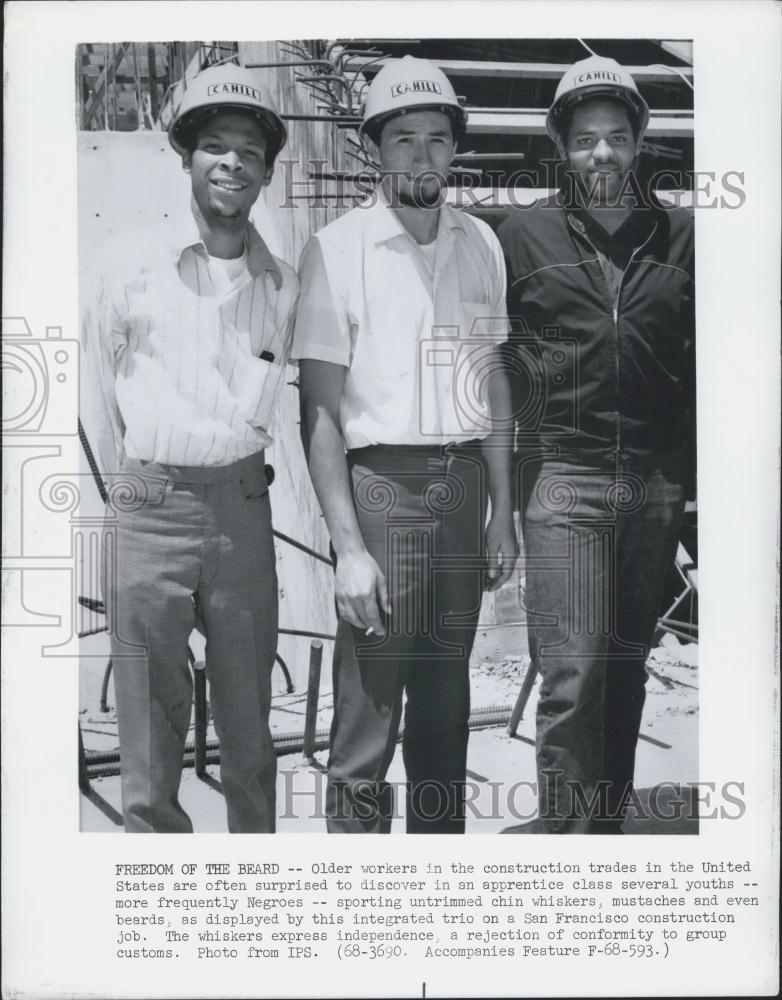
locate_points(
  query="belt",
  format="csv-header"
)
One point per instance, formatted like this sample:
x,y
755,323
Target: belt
x,y
204,474
439,451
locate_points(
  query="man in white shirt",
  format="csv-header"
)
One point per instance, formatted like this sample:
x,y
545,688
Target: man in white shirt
x,y
185,341
402,304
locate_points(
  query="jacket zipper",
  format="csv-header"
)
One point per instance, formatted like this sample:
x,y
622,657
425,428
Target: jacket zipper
x,y
616,334
615,315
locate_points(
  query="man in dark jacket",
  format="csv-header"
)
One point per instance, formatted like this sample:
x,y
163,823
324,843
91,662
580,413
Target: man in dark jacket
x,y
601,294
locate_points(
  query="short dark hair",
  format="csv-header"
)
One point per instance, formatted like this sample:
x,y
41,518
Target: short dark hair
x,y
188,131
566,118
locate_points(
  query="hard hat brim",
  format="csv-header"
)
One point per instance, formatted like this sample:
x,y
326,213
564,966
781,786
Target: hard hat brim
x,y
456,113
568,101
183,127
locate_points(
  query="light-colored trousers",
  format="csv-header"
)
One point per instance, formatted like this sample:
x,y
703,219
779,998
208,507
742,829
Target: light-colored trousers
x,y
186,545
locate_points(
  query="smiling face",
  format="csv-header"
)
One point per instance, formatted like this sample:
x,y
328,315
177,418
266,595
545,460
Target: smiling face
x,y
601,147
415,151
227,167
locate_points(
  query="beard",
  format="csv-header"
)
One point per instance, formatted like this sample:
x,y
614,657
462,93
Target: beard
x,y
223,215
222,209
423,191
426,193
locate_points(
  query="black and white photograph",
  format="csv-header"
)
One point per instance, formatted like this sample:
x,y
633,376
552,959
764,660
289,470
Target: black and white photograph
x,y
428,351
391,447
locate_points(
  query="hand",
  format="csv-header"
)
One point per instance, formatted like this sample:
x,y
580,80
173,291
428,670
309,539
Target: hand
x,y
361,592
502,549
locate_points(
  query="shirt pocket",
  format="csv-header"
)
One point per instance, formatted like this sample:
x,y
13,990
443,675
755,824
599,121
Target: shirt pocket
x,y
256,386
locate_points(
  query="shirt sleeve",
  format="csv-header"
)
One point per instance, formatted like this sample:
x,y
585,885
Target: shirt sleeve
x,y
499,293
322,326
493,325
98,409
287,312
515,266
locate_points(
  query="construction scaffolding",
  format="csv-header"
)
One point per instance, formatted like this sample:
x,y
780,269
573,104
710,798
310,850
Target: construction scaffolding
x,y
124,86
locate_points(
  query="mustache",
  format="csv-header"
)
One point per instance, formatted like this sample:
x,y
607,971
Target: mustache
x,y
423,190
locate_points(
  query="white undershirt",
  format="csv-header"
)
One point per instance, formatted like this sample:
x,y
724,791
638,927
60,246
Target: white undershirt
x,y
227,274
427,254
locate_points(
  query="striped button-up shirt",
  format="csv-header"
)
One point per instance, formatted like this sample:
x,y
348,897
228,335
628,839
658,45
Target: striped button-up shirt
x,y
179,367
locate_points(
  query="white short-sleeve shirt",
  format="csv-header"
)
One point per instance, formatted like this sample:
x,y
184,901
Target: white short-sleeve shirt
x,y
417,342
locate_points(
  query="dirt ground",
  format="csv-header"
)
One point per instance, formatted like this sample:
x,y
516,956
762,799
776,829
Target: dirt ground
x,y
668,749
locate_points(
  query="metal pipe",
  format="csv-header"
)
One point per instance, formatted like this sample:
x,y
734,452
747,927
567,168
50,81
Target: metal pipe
x,y
347,53
523,698
363,68
283,743
313,690
293,742
200,715
286,672
104,688
684,636
341,120
84,777
92,463
303,62
112,770
302,546
483,157
305,633
332,78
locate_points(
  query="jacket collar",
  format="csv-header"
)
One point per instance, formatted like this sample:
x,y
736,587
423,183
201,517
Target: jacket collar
x,y
634,231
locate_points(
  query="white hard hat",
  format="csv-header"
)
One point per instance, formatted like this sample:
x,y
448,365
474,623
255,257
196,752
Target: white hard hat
x,y
596,77
226,87
409,84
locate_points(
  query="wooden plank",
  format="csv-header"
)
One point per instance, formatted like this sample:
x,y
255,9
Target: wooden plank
x,y
510,121
468,157
495,110
534,123
527,71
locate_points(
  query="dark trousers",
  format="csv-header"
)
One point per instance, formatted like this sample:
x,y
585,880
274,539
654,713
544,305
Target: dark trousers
x,y
598,547
188,544
421,512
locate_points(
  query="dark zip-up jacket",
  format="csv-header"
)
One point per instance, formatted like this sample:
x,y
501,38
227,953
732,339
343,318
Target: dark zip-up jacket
x,y
605,369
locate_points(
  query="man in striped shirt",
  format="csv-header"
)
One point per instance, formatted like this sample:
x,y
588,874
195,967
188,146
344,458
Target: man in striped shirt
x,y
185,342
